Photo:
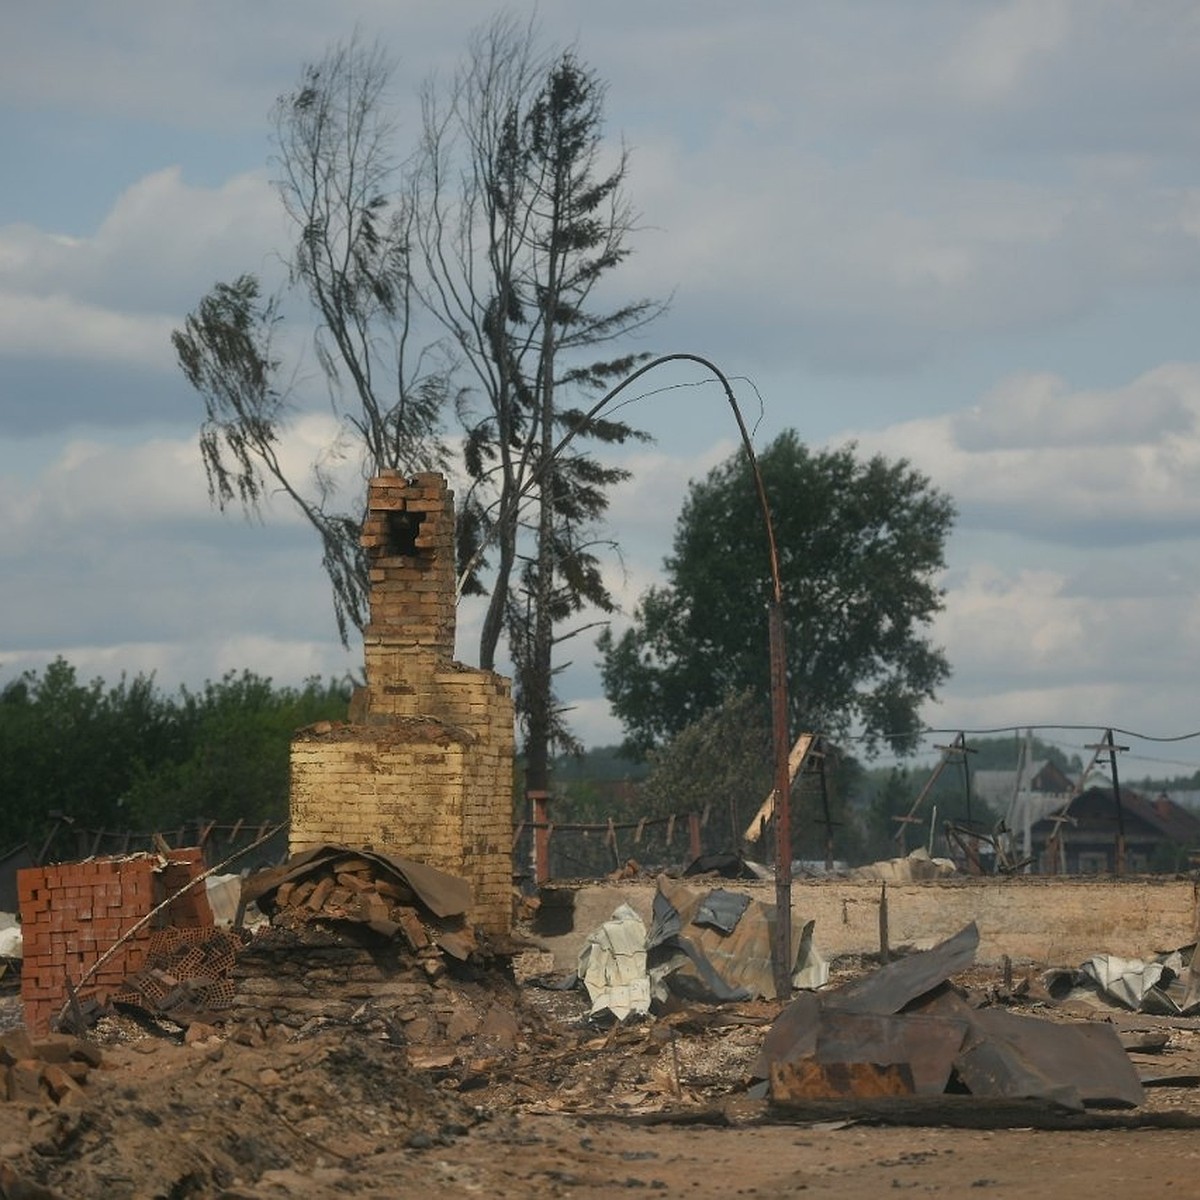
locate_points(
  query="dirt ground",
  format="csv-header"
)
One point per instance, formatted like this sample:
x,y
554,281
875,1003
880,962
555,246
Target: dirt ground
x,y
552,1106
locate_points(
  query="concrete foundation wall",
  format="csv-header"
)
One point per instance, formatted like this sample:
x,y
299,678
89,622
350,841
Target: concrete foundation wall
x,y
1047,922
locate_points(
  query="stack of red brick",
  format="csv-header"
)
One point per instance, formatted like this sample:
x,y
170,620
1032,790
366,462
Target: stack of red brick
x,y
72,913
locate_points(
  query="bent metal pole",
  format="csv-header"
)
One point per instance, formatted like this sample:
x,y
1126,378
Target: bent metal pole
x,y
781,949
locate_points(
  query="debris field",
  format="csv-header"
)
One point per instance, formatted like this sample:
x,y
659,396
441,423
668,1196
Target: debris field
x,y
364,1040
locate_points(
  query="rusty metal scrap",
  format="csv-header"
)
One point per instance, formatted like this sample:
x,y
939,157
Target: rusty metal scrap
x,y
899,983
838,1045
713,947
884,992
926,1046
810,1080
792,1036
1085,1057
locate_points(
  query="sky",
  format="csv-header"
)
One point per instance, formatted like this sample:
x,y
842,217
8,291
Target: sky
x,y
963,234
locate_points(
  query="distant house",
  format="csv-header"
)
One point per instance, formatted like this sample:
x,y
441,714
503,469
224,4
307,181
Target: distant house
x,y
1023,797
1042,777
1159,834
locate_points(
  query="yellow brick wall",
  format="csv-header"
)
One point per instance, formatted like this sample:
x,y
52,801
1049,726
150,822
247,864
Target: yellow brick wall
x,y
426,773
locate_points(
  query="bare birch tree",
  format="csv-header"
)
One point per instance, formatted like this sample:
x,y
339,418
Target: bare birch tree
x,y
518,223
341,190
497,236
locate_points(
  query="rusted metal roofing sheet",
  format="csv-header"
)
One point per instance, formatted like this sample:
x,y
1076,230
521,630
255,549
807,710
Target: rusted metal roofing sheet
x,y
893,986
928,1045
1028,1058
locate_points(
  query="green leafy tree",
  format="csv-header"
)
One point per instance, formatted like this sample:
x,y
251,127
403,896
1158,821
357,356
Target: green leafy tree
x,y
860,546
236,762
720,764
893,797
75,748
1004,753
826,818
891,793
127,757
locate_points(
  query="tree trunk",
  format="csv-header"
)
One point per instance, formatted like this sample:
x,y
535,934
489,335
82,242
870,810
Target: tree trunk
x,y
493,620
540,699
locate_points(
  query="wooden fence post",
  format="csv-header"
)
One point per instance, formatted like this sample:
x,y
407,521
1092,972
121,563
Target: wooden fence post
x,y
541,836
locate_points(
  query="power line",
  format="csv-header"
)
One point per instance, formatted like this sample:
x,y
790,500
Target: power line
x,y
1018,729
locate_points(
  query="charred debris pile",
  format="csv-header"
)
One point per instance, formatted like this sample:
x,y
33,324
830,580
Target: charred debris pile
x,y
361,941
352,938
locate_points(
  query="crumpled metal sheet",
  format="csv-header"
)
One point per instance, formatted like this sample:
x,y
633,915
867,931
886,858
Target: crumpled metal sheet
x,y
701,961
1028,1058
612,965
712,946
722,910
1191,983
1167,985
995,1054
899,983
793,1034
927,1045
1125,980
445,895
995,1069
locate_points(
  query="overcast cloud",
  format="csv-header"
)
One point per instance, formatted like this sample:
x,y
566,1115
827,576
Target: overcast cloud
x,y
968,235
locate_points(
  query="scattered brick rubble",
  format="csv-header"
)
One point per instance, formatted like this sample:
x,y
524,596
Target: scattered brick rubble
x,y
355,938
187,976
390,897
52,1068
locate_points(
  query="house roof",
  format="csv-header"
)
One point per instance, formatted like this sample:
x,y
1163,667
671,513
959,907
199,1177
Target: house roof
x,y
999,788
1171,821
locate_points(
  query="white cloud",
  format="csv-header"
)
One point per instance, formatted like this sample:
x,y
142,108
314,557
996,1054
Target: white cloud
x,y
133,58
845,190
58,325
592,722
995,55
161,235
115,296
643,512
1032,647
838,238
1092,467
164,234
191,663
1028,411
